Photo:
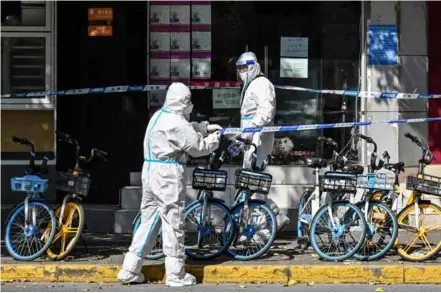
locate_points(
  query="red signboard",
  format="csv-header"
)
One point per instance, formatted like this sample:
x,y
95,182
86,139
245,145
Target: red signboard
x,y
100,30
100,14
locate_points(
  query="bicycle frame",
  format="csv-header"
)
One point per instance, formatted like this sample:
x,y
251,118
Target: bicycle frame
x,y
35,196
77,169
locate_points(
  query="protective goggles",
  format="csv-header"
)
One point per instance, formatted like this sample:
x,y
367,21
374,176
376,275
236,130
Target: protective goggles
x,y
242,66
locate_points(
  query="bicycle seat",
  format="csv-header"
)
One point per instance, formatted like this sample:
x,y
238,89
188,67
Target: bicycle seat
x,y
394,166
357,169
315,162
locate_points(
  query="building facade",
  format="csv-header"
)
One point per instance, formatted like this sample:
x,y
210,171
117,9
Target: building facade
x,y
55,45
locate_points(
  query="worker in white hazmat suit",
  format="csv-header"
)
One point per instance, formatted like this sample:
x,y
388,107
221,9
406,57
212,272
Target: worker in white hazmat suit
x,y
168,140
258,107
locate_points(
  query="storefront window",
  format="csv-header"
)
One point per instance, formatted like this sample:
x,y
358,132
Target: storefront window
x,y
23,64
328,60
23,13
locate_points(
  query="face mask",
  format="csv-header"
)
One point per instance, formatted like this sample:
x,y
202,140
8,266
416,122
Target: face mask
x,y
243,76
188,109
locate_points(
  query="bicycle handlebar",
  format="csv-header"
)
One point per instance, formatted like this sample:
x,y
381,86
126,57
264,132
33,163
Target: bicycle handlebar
x,y
374,167
413,138
246,141
427,157
48,156
328,141
93,152
254,166
24,141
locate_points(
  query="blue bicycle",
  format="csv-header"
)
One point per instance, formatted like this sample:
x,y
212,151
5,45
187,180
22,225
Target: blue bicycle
x,y
30,228
335,228
256,222
210,227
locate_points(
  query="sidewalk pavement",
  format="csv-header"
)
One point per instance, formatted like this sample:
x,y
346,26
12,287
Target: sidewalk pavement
x,y
283,264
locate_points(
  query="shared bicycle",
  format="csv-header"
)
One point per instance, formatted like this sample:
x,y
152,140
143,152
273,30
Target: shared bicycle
x,y
70,215
30,227
335,227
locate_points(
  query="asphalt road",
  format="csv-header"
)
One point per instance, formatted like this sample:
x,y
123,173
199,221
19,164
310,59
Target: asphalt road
x,y
94,287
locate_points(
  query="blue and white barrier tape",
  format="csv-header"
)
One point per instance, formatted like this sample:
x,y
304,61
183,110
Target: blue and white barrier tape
x,y
363,94
147,88
323,126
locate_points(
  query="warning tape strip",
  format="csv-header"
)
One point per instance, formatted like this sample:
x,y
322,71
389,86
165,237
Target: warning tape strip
x,y
216,85
323,126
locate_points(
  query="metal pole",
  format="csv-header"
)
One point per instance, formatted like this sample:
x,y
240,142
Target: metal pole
x,y
265,54
363,82
148,54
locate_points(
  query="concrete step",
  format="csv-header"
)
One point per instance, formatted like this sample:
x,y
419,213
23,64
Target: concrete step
x,y
130,197
124,220
135,179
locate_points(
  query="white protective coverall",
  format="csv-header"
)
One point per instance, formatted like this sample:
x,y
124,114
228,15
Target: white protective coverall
x,y
258,107
168,140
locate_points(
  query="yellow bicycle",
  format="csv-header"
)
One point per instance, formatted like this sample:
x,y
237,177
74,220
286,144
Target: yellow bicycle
x,y
70,215
419,222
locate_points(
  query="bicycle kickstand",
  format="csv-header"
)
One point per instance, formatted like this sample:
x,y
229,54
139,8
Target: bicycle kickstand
x,y
84,243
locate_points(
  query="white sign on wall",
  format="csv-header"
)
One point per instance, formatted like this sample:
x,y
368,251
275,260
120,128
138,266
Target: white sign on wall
x,y
293,47
294,67
226,98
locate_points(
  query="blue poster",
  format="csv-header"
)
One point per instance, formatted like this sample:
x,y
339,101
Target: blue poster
x,y
383,45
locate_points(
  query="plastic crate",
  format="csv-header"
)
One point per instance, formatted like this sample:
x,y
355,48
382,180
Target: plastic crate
x,y
29,183
427,184
214,180
376,181
339,182
73,184
253,181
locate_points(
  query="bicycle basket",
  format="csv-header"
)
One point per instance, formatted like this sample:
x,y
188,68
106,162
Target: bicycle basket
x,y
376,181
427,184
70,183
29,183
253,181
215,180
339,182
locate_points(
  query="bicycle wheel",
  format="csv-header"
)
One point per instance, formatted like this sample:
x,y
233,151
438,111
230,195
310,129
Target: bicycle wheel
x,y
381,233
156,252
414,244
29,241
220,228
256,237
304,220
350,224
70,231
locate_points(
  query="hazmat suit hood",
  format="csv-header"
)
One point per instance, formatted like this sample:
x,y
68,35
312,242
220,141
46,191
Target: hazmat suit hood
x,y
248,60
178,99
